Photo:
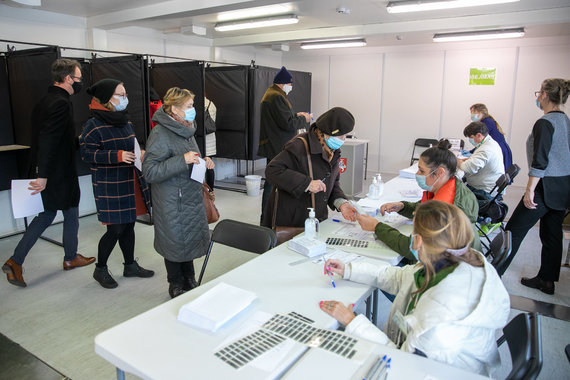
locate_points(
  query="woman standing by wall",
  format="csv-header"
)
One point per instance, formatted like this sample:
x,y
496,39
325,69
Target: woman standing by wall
x,y
121,193
181,231
479,112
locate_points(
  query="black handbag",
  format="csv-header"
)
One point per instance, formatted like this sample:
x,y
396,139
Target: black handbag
x,y
209,123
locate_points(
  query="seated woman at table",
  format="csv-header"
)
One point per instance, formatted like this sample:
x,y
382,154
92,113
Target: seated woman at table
x,y
436,175
447,307
295,189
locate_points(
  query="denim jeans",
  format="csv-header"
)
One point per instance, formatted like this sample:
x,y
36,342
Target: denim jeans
x,y
39,225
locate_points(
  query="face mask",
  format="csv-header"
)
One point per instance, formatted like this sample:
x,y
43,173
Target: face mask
x,y
538,104
421,180
190,114
77,86
414,251
472,141
334,142
475,117
123,103
287,88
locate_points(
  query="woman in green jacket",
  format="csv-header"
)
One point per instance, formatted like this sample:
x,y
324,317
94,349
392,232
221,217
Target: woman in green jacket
x,y
436,176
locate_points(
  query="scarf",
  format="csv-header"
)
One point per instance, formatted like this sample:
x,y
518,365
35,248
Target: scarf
x,y
114,118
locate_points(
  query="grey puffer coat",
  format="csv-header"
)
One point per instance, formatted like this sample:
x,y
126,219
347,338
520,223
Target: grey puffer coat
x,y
180,226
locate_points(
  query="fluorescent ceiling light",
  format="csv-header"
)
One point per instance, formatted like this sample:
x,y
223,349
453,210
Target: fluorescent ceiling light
x,y
32,3
479,35
430,5
269,10
326,44
256,23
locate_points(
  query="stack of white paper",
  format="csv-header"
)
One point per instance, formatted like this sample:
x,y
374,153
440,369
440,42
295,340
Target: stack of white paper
x,y
307,247
217,306
409,172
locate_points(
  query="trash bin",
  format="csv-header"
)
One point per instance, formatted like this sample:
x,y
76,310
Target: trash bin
x,y
253,184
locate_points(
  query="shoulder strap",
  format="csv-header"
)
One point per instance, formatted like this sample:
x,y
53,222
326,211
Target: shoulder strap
x,y
310,167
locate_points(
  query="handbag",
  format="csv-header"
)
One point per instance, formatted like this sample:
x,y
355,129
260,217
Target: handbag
x,y
212,213
285,233
209,123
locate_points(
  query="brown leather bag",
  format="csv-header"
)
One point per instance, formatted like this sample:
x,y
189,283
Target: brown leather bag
x,y
285,233
211,211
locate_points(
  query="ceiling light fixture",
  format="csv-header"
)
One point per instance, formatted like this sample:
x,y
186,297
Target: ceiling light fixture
x,y
326,44
479,35
430,5
256,23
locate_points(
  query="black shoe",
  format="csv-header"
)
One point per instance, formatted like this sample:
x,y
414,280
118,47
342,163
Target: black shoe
x,y
538,283
190,283
135,270
175,289
101,274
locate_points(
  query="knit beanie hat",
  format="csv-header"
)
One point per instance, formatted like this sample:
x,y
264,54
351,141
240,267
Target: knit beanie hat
x,y
283,76
104,89
335,122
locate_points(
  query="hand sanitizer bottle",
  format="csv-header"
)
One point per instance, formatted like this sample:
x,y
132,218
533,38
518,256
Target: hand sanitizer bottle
x,y
311,225
380,185
373,189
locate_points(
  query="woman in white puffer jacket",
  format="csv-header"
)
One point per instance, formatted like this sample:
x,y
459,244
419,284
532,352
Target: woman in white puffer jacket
x,y
447,307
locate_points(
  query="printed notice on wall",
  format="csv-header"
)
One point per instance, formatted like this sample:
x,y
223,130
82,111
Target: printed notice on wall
x,y
482,76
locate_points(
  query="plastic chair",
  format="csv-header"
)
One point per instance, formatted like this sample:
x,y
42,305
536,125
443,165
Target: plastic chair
x,y
499,250
524,339
244,236
493,211
512,171
422,143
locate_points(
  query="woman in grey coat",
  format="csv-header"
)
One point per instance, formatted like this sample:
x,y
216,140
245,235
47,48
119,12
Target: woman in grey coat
x,y
181,231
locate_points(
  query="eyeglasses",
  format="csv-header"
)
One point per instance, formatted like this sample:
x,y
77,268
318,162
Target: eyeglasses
x,y
80,79
125,95
537,93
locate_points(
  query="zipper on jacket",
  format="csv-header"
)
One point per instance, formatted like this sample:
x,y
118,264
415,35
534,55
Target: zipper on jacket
x,y
179,199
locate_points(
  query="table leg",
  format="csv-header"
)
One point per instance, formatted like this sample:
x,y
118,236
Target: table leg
x,y
375,307
120,374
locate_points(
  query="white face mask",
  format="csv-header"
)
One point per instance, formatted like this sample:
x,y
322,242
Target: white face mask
x,y
287,88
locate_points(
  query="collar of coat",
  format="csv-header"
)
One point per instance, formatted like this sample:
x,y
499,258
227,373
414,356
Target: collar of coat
x,y
114,118
162,118
273,91
315,145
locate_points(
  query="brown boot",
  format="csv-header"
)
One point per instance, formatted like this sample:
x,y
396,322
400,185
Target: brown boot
x,y
14,273
79,261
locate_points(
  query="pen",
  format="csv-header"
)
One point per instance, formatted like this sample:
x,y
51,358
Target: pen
x,y
374,367
387,371
382,370
331,274
342,221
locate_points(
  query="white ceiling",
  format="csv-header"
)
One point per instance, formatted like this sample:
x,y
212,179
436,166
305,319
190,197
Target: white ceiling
x,y
318,19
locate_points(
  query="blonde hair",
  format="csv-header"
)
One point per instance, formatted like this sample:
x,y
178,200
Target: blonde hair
x,y
446,232
176,96
556,89
482,109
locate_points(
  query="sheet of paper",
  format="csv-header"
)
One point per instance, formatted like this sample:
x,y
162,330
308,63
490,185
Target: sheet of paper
x,y
138,162
332,253
199,171
353,231
23,202
316,364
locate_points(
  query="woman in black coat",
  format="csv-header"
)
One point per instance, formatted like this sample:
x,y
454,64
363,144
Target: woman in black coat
x,y
121,193
290,173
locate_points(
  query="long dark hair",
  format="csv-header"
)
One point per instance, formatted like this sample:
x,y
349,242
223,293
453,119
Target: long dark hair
x,y
440,155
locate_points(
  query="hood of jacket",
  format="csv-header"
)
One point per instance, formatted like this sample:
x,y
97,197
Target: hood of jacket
x,y
162,118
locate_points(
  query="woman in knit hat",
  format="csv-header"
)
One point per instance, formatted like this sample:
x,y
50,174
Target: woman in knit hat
x,y
295,189
121,193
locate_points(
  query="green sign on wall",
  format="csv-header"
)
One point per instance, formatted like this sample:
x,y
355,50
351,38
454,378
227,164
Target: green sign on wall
x,y
482,76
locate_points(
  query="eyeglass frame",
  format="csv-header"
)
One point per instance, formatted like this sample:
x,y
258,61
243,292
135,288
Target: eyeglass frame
x,y
537,93
74,77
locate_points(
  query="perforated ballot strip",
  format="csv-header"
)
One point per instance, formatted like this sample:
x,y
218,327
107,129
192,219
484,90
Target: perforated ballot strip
x,y
346,242
276,330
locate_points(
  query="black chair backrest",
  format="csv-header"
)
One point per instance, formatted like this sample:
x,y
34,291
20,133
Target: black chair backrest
x,y
512,171
244,236
500,249
523,336
422,143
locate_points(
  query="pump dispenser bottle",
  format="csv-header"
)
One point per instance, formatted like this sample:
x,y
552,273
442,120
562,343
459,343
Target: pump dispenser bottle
x,y
311,225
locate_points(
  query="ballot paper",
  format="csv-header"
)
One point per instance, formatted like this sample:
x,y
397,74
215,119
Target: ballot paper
x,y
199,171
23,202
217,306
138,162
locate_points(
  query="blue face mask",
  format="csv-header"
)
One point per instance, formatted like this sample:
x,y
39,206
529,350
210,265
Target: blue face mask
x,y
472,141
334,142
414,251
123,103
421,180
475,117
190,114
538,104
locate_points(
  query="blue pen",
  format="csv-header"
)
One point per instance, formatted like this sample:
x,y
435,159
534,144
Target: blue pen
x,y
375,367
342,221
331,274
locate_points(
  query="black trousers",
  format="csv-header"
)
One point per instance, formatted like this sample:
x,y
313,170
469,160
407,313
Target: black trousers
x,y
523,219
125,234
267,189
176,273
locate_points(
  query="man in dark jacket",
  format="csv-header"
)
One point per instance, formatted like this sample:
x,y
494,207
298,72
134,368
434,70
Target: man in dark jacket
x,y
278,122
53,165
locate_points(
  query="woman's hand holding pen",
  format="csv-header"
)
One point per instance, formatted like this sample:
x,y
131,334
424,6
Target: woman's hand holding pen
x,y
335,266
338,311
191,157
391,207
348,211
317,185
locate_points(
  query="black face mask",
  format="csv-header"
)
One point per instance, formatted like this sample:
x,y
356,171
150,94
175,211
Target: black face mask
x,y
77,86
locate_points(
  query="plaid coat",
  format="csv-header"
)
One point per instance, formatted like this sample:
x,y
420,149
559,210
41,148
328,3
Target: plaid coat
x,y
103,136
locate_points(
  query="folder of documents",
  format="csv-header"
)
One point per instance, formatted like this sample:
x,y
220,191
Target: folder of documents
x,y
217,306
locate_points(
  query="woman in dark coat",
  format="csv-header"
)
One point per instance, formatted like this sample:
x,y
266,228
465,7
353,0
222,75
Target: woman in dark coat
x,y
181,232
121,193
290,173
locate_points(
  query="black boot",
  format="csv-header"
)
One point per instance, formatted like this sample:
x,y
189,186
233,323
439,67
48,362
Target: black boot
x,y
189,276
135,270
103,277
175,289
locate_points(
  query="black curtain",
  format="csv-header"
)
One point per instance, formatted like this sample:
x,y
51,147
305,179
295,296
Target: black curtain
x,y
8,159
132,71
188,75
227,88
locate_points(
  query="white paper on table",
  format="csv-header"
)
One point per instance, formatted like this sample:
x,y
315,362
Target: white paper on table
x,y
216,307
23,202
199,171
138,162
316,364
332,253
354,231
